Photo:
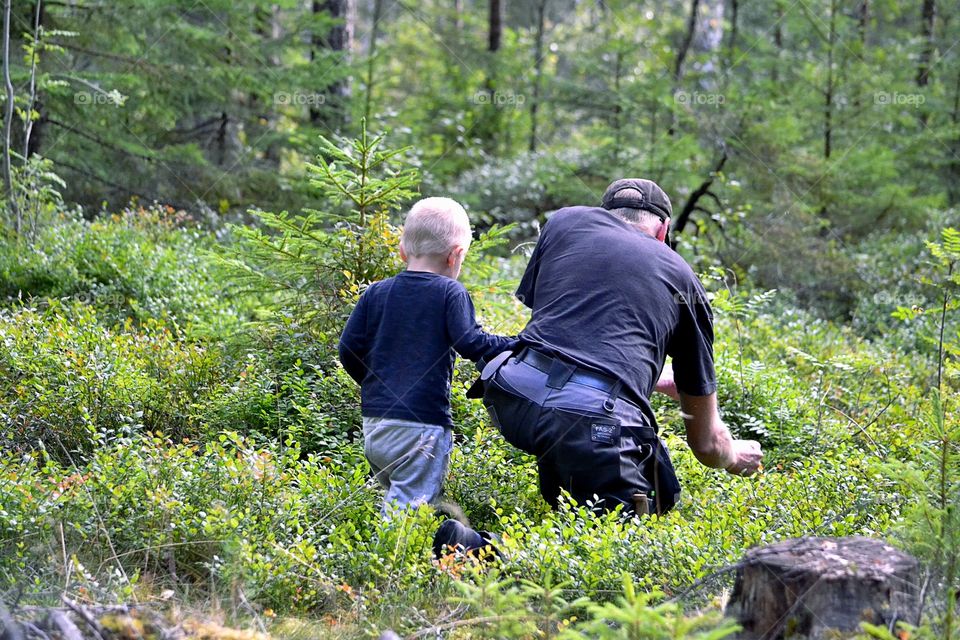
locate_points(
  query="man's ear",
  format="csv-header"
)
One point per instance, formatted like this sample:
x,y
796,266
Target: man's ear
x,y
403,254
663,230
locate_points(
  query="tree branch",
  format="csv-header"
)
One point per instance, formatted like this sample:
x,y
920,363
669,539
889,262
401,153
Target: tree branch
x,y
691,205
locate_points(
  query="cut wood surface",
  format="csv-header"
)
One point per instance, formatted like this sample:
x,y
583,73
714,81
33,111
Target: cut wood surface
x,y
814,587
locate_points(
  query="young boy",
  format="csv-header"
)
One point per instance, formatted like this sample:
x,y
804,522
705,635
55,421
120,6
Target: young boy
x,y
399,346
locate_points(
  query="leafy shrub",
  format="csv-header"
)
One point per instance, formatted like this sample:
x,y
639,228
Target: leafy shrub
x,y
314,407
69,384
143,263
314,263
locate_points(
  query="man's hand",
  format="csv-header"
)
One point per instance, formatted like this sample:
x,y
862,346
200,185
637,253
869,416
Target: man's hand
x,y
747,457
665,384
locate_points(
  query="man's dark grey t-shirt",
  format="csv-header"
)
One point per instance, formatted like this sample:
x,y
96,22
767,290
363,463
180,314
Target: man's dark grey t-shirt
x,y
608,297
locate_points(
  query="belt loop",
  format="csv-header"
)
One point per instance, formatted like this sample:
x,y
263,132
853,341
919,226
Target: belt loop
x,y
611,402
519,353
560,373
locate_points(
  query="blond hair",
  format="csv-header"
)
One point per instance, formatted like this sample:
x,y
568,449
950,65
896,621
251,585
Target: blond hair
x,y
434,226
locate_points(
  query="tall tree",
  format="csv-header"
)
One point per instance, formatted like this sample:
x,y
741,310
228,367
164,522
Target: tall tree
x,y
8,121
336,40
490,129
538,55
375,18
927,17
31,112
683,49
495,32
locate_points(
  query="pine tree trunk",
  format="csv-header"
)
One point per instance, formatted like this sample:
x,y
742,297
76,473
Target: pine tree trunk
x,y
337,41
537,71
371,61
777,38
495,35
928,14
491,127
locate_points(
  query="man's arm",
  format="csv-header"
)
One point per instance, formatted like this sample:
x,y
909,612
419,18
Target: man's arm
x,y
710,440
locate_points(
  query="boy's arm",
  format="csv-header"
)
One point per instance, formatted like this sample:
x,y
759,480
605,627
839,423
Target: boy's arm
x,y
466,336
354,344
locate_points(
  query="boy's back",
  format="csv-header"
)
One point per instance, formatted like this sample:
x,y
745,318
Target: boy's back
x,y
399,345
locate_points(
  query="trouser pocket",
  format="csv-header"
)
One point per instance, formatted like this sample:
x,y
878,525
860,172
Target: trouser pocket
x,y
592,456
512,413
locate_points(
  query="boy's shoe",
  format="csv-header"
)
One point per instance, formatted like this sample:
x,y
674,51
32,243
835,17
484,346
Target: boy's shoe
x,y
454,537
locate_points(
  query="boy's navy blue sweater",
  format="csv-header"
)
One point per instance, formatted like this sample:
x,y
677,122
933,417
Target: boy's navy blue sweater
x,y
399,345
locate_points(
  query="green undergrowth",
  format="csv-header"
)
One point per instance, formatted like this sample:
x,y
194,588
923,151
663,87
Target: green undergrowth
x,y
169,437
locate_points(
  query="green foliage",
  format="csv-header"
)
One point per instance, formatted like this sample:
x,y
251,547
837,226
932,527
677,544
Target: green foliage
x,y
931,477
36,195
143,264
181,104
317,262
931,523
632,617
70,385
310,406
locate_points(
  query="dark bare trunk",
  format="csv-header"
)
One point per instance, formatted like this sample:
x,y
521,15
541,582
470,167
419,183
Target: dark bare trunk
x,y
335,41
496,26
617,107
828,100
828,92
684,47
494,41
778,15
734,25
692,204
223,131
863,16
682,51
371,59
537,72
929,14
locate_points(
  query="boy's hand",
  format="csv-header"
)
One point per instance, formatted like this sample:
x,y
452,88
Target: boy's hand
x,y
665,384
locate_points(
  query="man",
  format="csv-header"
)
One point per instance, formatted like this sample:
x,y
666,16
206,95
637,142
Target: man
x,y
610,302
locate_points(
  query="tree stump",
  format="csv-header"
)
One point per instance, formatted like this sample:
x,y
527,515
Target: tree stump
x,y
815,587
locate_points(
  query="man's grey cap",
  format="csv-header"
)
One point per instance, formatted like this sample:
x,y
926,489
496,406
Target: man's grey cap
x,y
645,195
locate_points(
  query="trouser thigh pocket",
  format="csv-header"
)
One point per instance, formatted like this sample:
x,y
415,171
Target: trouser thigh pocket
x,y
583,451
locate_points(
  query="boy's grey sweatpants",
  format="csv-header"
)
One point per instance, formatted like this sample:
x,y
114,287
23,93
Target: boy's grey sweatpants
x,y
409,459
